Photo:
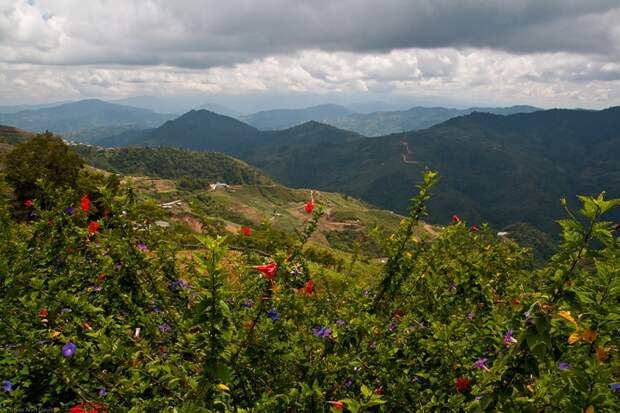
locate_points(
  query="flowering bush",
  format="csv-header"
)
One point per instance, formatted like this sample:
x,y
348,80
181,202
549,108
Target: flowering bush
x,y
108,317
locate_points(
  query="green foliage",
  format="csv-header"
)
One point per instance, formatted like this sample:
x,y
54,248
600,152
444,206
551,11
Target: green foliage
x,y
44,157
457,322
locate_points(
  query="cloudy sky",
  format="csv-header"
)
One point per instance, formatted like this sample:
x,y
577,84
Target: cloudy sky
x,y
547,53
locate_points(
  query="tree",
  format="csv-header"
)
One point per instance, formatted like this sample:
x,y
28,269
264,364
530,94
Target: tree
x,y
44,157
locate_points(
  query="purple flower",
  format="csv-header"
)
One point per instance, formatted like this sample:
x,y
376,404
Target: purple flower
x,y
157,310
348,382
471,315
481,364
165,327
69,210
509,340
248,303
273,314
96,288
477,398
615,386
142,247
102,391
68,350
7,385
415,379
366,293
118,266
32,214
179,284
340,322
323,331
393,326
452,287
565,366
527,316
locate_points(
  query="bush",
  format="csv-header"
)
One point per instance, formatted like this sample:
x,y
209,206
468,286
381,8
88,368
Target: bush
x,y
457,323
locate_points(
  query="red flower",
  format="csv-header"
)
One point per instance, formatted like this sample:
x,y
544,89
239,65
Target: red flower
x,y
93,226
268,269
246,231
379,390
309,207
617,227
474,228
28,203
309,287
85,203
455,219
337,404
43,313
462,384
101,277
86,325
516,301
88,408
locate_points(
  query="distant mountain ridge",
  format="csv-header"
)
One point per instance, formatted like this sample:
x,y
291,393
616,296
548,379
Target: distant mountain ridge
x,y
285,118
69,119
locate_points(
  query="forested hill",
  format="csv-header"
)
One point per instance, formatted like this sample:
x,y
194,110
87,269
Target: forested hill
x,y
498,168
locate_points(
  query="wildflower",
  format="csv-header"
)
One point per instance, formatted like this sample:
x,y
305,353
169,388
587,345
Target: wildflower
x,y
7,386
32,214
324,332
246,231
268,269
366,293
28,203
340,322
93,226
336,403
471,315
509,340
348,382
118,266
309,287
102,391
462,384
474,228
43,313
452,287
157,310
564,366
142,247
379,390
248,303
309,207
85,203
179,284
69,210
164,328
136,333
516,301
96,288
455,219
527,315
101,277
223,387
273,314
481,364
601,354
86,325
566,315
68,350
393,326
615,386
574,337
229,300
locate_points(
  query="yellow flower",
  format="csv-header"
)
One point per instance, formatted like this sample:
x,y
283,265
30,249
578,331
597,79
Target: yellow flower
x,y
589,336
223,387
54,333
567,316
589,409
573,338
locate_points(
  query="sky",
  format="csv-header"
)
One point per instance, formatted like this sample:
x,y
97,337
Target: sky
x,y
551,53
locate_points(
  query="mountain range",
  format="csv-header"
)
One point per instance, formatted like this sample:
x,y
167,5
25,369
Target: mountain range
x,y
85,120
496,168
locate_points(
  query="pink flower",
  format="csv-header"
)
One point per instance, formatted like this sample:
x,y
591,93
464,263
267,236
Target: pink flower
x,y
309,207
455,219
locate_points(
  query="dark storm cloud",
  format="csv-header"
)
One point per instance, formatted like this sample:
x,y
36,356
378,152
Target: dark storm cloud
x,y
199,34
